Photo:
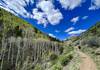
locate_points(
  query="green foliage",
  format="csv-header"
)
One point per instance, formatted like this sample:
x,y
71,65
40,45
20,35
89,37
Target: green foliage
x,y
61,49
75,38
94,42
65,59
20,51
97,52
93,52
67,49
91,32
74,63
38,67
53,56
10,22
90,42
18,38
56,67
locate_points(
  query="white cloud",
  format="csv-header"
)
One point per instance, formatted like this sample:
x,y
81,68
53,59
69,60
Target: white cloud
x,y
70,4
57,31
75,19
84,17
92,7
76,32
51,35
7,9
29,1
39,16
49,14
46,6
16,6
69,29
95,4
52,15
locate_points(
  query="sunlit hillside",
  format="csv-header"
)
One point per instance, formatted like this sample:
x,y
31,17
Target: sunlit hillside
x,y
24,47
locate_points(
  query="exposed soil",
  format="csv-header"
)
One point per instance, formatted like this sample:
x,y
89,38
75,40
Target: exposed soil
x,y
87,63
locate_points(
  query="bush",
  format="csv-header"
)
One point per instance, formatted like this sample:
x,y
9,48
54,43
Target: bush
x,y
68,49
38,67
64,60
83,42
97,52
94,42
56,67
61,50
91,42
53,56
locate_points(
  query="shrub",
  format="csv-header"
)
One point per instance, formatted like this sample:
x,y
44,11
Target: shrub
x,y
61,50
64,60
91,42
53,56
83,42
38,67
67,49
94,42
56,67
97,52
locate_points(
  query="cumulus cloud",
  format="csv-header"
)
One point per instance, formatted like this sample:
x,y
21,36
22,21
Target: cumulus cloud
x,y
17,6
77,32
69,29
70,4
51,35
54,17
50,14
39,16
46,6
75,19
95,4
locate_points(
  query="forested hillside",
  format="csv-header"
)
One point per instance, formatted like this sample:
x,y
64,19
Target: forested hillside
x,y
93,31
23,47
90,43
9,22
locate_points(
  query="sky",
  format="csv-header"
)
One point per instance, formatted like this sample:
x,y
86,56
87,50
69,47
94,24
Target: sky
x,y
59,19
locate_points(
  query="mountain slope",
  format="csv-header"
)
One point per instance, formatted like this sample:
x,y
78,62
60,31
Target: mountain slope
x,y
23,47
90,43
10,22
93,31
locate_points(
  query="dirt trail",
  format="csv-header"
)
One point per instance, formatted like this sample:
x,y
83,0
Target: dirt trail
x,y
87,62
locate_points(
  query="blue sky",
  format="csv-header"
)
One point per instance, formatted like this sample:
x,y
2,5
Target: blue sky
x,y
57,18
